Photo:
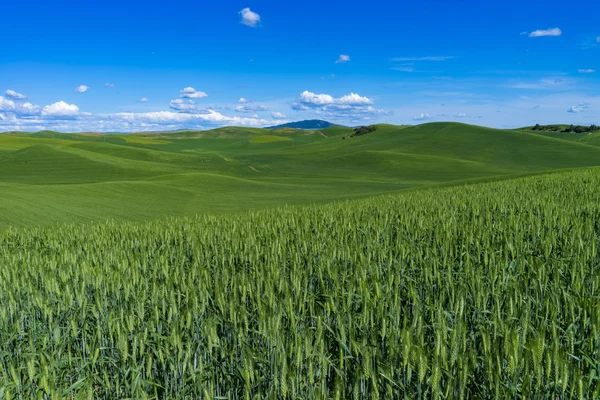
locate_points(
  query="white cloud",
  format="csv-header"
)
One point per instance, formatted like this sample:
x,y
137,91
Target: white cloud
x,y
352,105
354,99
344,58
546,32
143,100
581,107
18,109
242,100
109,85
62,116
312,99
278,115
250,18
14,95
422,117
549,83
586,71
191,93
598,39
427,58
60,109
404,69
250,109
461,115
82,89
182,105
209,116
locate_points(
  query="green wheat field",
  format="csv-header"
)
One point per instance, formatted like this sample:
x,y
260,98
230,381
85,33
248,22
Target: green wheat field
x,y
439,261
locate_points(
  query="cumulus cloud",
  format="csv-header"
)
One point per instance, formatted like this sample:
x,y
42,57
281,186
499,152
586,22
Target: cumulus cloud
x,y
109,85
65,118
351,105
586,71
278,115
143,100
191,93
422,117
62,116
246,106
581,107
14,95
249,18
82,89
344,58
18,109
60,109
182,105
309,99
546,32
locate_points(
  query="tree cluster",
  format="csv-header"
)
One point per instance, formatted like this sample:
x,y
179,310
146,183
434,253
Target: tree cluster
x,y
363,130
569,129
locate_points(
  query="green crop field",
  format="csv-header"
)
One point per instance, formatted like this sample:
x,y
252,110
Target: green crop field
x,y
436,261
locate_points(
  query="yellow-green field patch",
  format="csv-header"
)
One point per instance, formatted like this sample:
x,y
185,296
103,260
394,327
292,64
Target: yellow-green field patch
x,y
132,139
268,139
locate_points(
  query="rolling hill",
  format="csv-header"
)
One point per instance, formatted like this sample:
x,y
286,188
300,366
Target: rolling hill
x,y
49,178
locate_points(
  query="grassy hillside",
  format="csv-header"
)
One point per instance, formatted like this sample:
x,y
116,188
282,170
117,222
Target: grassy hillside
x,y
50,177
471,292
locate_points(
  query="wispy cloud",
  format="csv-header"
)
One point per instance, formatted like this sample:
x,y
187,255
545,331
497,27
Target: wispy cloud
x,y
247,108
546,32
278,115
403,68
182,105
344,58
250,18
422,117
579,108
82,89
586,71
14,95
428,58
540,84
143,100
109,85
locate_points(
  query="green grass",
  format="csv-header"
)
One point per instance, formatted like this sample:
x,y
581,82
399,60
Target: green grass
x,y
474,291
268,139
50,177
436,261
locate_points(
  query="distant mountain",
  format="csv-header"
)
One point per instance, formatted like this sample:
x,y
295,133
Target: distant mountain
x,y
307,124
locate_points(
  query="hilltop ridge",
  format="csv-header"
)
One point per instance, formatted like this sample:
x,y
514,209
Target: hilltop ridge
x,y
306,124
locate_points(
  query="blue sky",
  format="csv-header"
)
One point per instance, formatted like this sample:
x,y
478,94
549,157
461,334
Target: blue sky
x,y
132,65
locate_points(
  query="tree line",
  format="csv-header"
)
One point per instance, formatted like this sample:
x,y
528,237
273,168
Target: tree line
x,y
570,129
